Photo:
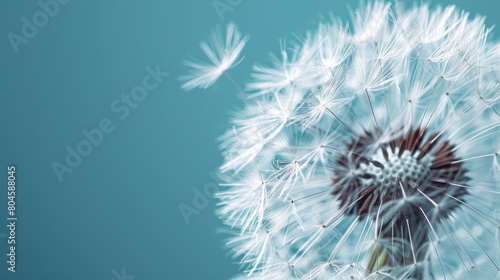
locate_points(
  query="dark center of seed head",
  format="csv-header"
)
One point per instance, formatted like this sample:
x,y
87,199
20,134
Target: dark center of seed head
x,y
375,180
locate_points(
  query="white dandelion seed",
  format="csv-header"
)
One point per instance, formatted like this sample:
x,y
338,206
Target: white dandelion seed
x,y
371,154
223,54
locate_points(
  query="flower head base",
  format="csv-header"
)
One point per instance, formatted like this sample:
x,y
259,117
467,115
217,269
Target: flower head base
x,y
371,154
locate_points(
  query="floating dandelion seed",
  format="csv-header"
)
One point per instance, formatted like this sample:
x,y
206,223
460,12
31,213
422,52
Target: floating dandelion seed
x,y
223,55
371,153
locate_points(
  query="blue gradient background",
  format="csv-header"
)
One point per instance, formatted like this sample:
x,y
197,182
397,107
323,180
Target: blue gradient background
x,y
119,207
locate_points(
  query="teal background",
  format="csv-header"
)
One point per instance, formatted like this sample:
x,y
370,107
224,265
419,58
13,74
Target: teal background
x,y
120,207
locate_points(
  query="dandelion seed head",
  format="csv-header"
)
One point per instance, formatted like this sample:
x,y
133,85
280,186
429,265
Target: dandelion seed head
x,y
366,150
